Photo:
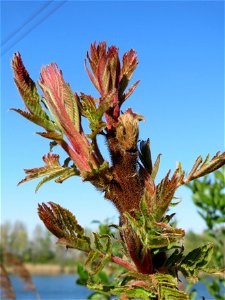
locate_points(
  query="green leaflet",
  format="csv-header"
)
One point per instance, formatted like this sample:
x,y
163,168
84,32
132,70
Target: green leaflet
x,y
196,260
54,174
45,123
83,274
139,276
130,291
168,293
68,172
62,175
98,257
103,242
133,292
50,108
51,135
82,244
168,289
154,235
174,258
155,167
98,287
97,241
99,296
96,261
94,114
71,104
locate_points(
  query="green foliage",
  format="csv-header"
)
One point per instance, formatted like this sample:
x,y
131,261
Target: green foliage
x,y
208,195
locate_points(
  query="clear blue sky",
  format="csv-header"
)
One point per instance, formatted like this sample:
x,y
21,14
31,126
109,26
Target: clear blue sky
x,y
180,46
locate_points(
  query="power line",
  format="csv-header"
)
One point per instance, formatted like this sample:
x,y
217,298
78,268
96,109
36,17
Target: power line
x,y
61,3
25,23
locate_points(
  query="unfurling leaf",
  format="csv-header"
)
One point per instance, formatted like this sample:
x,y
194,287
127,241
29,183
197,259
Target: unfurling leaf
x,y
130,63
64,109
27,88
63,224
94,114
165,191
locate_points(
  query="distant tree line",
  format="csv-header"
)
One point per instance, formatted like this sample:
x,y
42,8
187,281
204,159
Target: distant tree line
x,y
39,247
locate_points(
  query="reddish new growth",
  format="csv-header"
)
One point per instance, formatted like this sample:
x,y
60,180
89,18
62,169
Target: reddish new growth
x,y
129,178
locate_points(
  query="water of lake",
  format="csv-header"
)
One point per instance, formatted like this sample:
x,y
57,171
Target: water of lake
x,y
61,287
64,287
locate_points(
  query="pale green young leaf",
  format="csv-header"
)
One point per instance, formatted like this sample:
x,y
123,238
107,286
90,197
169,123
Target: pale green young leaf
x,y
68,172
71,104
201,169
51,135
51,170
45,123
155,167
62,174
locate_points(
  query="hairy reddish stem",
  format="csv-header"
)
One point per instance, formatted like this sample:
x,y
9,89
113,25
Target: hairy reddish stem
x,y
123,263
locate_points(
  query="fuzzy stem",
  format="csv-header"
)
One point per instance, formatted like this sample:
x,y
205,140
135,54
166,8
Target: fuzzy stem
x,y
123,263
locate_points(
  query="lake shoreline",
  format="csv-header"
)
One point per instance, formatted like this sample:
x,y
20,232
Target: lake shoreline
x,y
49,269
